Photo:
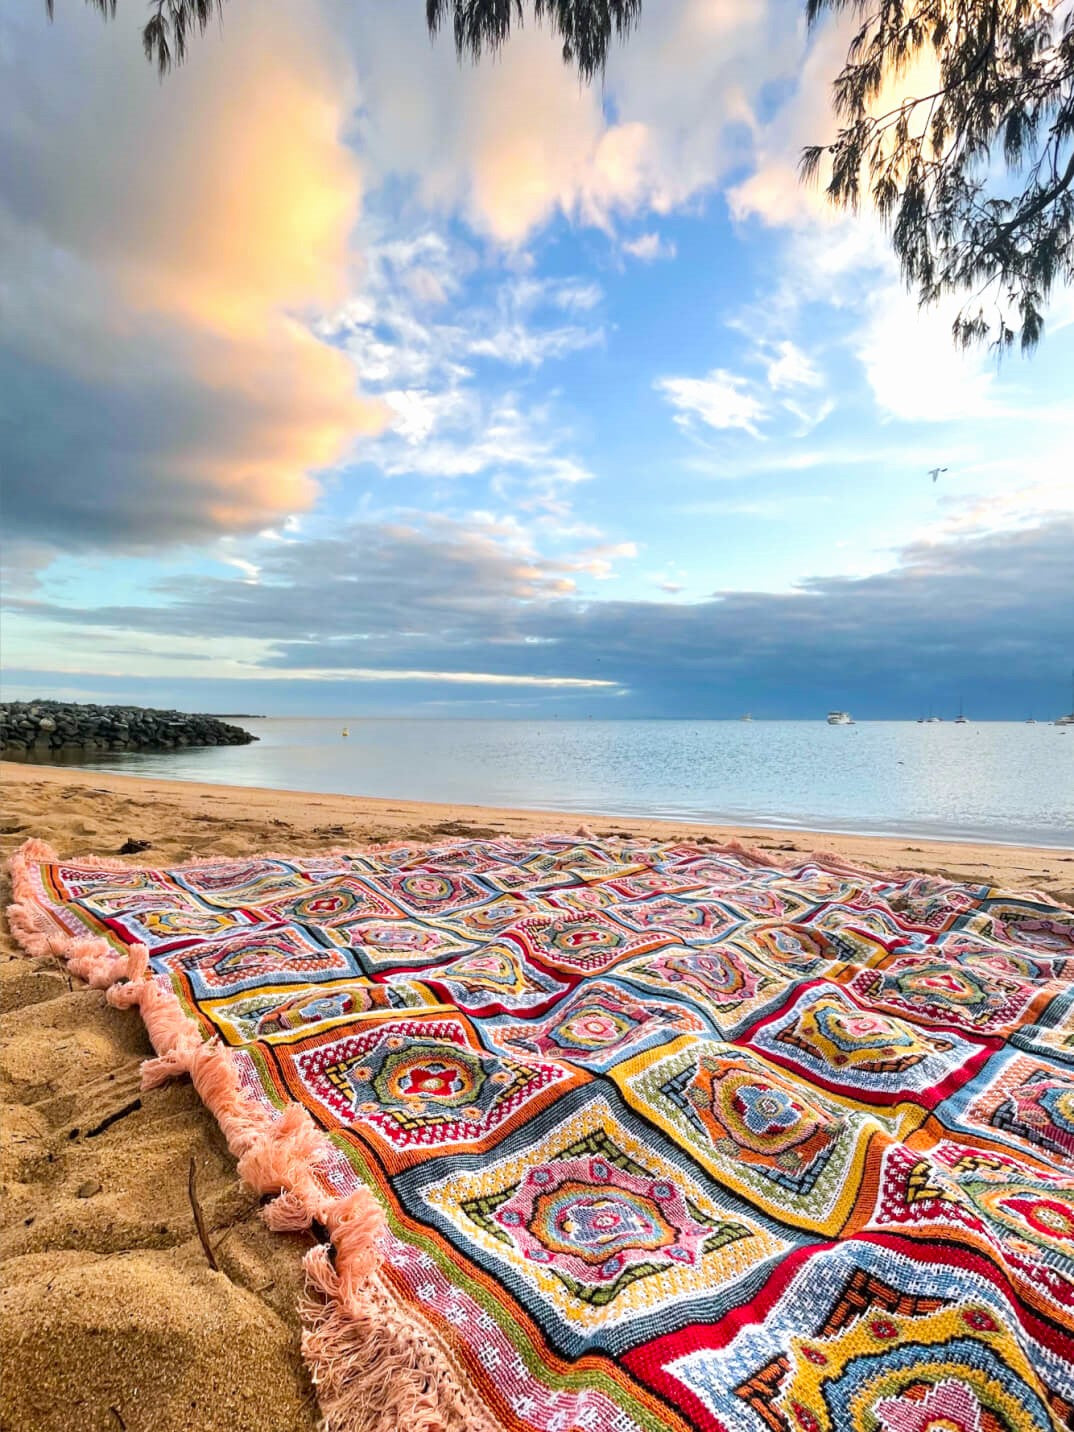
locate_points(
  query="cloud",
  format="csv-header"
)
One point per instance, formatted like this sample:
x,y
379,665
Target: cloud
x,y
844,261
429,598
515,142
913,367
649,247
786,366
448,373
721,400
164,247
512,337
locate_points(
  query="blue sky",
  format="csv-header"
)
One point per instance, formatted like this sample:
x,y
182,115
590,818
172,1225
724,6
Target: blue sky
x,y
343,378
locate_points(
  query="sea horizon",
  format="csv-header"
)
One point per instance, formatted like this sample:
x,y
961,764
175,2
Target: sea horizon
x,y
895,778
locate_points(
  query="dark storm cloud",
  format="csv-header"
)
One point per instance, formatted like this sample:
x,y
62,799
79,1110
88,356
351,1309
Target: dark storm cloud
x,y
991,615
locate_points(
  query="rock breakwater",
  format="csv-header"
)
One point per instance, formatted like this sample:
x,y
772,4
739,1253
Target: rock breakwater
x,y
43,728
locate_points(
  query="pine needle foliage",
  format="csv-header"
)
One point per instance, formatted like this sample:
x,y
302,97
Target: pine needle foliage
x,y
585,27
974,177
167,32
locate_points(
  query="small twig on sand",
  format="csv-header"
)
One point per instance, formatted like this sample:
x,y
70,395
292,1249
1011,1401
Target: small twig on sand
x,y
199,1217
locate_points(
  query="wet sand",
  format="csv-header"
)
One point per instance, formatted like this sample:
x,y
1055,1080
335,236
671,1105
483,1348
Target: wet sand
x,y
111,1316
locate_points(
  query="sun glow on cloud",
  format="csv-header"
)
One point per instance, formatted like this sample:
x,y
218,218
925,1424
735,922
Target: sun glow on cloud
x,y
166,270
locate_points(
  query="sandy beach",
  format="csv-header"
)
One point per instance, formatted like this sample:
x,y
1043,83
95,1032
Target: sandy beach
x,y
112,1318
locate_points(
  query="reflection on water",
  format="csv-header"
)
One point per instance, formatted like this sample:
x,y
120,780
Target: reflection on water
x,y
987,781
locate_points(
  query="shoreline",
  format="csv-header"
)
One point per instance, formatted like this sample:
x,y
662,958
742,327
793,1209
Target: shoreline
x,y
246,818
560,814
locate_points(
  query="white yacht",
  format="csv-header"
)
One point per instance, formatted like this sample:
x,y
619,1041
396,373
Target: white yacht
x,y
839,718
1069,719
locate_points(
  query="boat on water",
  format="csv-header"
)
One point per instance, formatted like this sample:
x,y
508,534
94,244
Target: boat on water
x,y
346,731
747,717
960,720
1068,720
839,718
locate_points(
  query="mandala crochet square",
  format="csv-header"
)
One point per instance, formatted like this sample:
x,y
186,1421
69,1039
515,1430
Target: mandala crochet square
x,y
867,1054
385,944
643,884
1025,924
505,879
238,884
1055,1042
340,902
609,1237
596,1026
730,987
578,899
865,1337
276,954
486,921
797,950
430,893
580,944
786,1148
1016,1215
161,920
1021,1102
759,900
685,921
490,979
420,1085
583,861
966,984
282,1012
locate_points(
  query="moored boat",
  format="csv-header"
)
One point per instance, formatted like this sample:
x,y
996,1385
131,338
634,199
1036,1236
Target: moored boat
x,y
1068,720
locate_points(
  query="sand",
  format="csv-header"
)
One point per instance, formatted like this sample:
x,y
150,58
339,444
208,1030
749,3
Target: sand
x,y
109,1313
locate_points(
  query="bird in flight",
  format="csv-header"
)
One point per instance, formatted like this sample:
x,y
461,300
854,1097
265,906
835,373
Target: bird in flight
x,y
934,472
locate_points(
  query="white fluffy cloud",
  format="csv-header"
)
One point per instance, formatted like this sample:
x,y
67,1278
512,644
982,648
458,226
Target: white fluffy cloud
x,y
517,140
649,247
719,400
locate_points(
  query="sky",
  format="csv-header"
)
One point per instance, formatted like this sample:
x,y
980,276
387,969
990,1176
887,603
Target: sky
x,y
339,378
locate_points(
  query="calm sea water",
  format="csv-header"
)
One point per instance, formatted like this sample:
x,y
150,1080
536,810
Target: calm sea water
x,y
991,781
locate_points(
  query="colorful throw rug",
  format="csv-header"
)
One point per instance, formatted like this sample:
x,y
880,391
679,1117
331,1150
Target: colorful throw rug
x,y
602,1136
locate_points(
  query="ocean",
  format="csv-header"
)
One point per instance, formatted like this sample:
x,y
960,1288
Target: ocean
x,y
992,781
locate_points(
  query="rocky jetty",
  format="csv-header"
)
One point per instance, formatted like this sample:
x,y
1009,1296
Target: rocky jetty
x,y
44,728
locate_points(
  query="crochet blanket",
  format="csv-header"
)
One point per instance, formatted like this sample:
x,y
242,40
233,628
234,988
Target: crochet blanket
x,y
607,1136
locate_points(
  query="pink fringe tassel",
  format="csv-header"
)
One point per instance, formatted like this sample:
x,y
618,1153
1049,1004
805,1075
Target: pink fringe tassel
x,y
375,1367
